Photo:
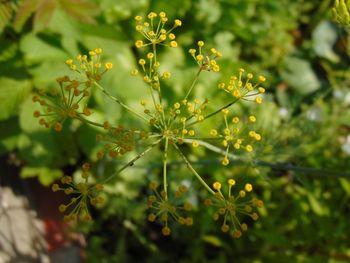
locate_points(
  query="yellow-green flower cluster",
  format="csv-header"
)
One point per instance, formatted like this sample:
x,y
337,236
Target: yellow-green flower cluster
x,y
232,207
84,194
206,61
236,134
90,65
154,31
150,69
340,12
241,88
59,105
164,210
169,125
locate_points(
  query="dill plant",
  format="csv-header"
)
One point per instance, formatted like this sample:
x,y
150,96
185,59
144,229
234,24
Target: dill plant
x,y
168,127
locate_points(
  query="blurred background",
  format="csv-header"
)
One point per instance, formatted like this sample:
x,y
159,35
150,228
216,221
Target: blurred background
x,y
301,169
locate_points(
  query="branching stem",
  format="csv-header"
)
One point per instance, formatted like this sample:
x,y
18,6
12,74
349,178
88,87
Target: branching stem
x,y
131,162
200,179
120,102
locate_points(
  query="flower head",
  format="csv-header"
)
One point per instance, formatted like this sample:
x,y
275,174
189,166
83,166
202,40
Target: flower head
x,y
66,102
83,195
206,61
165,210
232,207
155,31
242,88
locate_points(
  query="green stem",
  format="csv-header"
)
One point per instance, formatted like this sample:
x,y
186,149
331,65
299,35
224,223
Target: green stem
x,y
213,148
90,122
194,82
165,157
200,179
159,92
214,113
120,102
131,162
152,135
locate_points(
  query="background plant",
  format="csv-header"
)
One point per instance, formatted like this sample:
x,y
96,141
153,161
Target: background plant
x,y
305,61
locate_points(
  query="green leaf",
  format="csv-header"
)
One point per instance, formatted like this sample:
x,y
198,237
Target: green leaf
x,y
299,74
6,10
37,50
212,240
40,146
323,39
316,206
27,121
45,175
46,58
209,11
86,139
345,184
12,93
9,132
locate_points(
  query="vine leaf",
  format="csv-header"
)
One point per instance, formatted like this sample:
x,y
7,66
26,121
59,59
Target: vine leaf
x,y
43,10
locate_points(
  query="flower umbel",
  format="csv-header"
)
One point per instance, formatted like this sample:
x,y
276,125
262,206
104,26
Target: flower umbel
x,y
166,210
169,124
154,31
83,194
67,102
241,88
90,65
232,207
206,61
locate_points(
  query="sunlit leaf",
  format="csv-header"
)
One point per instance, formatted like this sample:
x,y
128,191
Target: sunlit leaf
x,y
9,132
45,175
12,94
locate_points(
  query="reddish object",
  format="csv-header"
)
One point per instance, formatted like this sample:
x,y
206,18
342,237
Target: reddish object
x,y
54,234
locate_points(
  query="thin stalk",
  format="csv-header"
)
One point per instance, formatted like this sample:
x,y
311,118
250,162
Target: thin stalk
x,y
165,157
154,46
194,82
200,179
90,122
213,148
152,135
214,113
132,161
120,102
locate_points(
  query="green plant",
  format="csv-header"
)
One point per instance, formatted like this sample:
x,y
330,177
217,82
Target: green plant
x,y
170,125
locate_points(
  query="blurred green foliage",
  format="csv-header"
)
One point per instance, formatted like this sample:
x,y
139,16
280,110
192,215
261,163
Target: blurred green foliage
x,y
301,169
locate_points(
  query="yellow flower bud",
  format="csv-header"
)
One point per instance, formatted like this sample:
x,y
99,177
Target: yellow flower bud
x,y
108,65
248,187
173,43
200,43
139,43
177,23
216,185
